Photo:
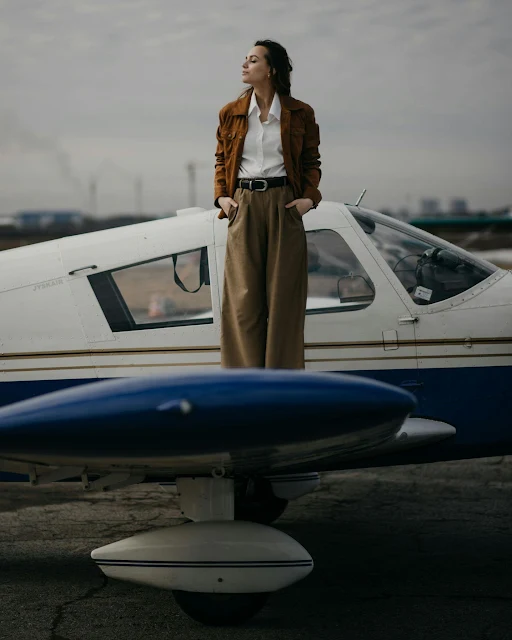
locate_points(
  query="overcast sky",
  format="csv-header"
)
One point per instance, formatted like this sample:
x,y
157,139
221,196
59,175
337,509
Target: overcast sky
x,y
413,98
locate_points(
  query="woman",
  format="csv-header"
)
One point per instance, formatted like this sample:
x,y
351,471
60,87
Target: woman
x,y
267,173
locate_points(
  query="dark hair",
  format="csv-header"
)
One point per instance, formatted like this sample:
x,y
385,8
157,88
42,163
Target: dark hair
x,y
278,60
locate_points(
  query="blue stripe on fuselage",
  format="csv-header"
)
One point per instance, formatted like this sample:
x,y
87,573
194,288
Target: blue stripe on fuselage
x,y
475,400
23,390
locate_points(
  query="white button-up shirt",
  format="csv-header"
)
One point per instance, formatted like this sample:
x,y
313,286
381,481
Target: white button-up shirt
x,y
262,155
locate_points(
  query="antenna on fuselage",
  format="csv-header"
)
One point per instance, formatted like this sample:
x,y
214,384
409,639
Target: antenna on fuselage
x,y
360,197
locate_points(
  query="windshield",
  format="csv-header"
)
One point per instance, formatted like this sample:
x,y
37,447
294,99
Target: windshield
x,y
430,269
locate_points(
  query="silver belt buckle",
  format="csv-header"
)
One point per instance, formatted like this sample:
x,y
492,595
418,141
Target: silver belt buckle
x,y
264,188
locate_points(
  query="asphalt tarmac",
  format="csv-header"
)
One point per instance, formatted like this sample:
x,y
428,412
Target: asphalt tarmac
x,y
412,553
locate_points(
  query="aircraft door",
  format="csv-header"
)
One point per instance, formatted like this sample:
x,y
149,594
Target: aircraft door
x,y
458,332
356,322
433,278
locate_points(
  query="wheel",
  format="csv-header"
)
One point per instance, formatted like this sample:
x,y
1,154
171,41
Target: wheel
x,y
255,501
217,609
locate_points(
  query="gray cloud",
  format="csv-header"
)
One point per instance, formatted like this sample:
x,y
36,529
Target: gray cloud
x,y
409,96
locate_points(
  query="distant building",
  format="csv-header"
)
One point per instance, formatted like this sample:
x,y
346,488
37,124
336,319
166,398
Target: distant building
x,y
502,211
7,221
403,213
46,218
429,207
458,207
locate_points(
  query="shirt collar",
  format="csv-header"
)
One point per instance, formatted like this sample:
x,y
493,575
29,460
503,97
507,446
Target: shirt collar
x,y
275,107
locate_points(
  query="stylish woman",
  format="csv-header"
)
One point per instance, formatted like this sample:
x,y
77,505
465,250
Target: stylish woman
x,y
267,173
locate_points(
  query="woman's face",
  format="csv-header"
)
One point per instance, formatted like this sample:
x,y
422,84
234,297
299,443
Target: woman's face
x,y
255,68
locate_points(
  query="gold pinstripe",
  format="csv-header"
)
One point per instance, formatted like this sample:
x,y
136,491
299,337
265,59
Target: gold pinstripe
x,y
206,364
216,349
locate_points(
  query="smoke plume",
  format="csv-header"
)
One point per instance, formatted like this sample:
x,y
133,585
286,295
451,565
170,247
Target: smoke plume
x,y
15,136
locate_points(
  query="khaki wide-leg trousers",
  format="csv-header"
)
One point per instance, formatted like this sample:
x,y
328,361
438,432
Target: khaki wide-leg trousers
x,y
265,282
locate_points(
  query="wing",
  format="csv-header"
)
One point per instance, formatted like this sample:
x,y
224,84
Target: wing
x,y
237,421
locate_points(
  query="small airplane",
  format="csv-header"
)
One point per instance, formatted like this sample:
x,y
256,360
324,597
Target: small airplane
x,y
422,327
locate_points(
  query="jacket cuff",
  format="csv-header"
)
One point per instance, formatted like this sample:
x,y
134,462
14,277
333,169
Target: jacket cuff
x,y
216,204
314,194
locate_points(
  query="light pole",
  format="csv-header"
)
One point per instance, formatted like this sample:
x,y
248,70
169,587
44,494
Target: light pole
x,y
139,195
191,168
93,196
137,181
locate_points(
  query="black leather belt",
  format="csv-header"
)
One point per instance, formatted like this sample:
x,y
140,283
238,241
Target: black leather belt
x,y
261,184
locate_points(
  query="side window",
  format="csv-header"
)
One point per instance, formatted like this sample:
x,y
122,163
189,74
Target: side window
x,y
170,291
429,269
337,280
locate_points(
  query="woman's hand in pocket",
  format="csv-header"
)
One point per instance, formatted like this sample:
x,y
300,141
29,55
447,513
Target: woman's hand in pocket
x,y
303,205
226,203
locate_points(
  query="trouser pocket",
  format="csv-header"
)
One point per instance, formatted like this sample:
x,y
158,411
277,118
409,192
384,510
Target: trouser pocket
x,y
295,212
232,211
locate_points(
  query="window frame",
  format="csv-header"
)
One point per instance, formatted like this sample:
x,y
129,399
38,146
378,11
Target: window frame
x,y
99,280
340,309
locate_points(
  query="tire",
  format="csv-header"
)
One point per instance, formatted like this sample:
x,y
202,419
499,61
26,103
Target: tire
x,y
262,512
220,609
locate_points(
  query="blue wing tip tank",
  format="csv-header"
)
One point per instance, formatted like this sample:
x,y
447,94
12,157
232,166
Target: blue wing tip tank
x,y
199,413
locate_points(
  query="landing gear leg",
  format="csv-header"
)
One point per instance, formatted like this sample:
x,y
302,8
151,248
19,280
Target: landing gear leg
x,y
255,501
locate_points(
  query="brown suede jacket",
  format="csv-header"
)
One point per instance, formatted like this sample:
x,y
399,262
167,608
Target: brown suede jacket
x,y
300,138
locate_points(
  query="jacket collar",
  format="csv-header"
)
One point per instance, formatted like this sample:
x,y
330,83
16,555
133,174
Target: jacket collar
x,y
288,103
275,107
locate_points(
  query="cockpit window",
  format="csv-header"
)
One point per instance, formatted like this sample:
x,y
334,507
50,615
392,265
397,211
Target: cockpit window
x,y
170,291
337,280
430,269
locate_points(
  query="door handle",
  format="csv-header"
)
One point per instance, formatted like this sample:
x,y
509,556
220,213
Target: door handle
x,y
408,320
90,266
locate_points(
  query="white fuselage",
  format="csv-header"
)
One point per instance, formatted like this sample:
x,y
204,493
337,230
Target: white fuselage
x,y
57,327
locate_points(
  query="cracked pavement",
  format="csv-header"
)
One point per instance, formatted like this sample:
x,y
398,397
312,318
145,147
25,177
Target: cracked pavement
x,y
406,553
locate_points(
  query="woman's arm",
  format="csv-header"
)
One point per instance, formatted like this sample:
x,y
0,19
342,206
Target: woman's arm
x,y
220,188
311,159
